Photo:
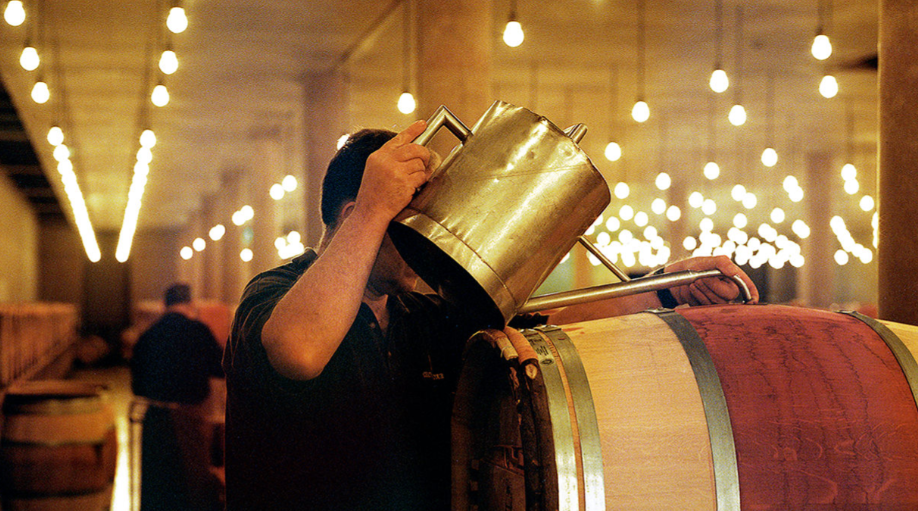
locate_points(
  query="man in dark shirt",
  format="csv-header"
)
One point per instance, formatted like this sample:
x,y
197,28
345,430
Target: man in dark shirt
x,y
171,367
338,375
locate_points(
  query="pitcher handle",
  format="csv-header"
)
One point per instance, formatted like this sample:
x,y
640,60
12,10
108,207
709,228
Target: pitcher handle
x,y
576,132
443,117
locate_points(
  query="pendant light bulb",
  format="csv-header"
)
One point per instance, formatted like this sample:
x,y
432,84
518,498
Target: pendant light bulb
x,y
513,33
822,47
849,172
711,170
769,157
55,136
737,115
177,22
14,14
40,92
29,59
719,80
640,112
828,87
406,103
613,151
168,62
160,95
147,138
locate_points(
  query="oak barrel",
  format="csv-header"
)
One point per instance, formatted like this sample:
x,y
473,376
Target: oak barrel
x,y
59,447
720,408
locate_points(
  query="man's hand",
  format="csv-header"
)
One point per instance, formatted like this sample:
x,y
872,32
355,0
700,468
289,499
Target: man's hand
x,y
714,289
393,174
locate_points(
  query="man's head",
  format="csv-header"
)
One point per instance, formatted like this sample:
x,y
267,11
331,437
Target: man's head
x,y
390,274
345,171
177,294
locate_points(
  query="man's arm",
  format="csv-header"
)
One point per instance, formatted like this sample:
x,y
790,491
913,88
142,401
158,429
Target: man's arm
x,y
701,292
310,321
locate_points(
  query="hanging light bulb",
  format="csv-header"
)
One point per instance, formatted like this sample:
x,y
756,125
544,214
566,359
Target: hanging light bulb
x,y
513,34
613,151
147,138
769,157
168,62
177,22
822,47
29,59
160,96
849,172
711,170
55,136
719,80
737,115
14,14
61,153
640,112
40,92
663,181
406,103
828,87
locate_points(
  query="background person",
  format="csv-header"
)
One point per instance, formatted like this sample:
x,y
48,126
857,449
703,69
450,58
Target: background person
x,y
171,367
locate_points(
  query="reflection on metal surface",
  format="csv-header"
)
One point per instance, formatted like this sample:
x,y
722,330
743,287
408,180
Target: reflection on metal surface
x,y
632,287
502,210
723,449
562,433
587,423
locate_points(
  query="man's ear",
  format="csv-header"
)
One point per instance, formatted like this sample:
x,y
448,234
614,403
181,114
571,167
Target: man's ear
x,y
346,211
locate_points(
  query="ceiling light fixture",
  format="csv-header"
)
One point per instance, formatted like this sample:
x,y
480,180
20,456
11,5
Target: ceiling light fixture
x,y
613,151
168,61
40,92
29,59
406,102
737,115
14,14
822,46
55,135
160,95
513,32
770,155
828,86
720,82
177,22
711,168
641,111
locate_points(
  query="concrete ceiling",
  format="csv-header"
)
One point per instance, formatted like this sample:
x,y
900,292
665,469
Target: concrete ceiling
x,y
243,63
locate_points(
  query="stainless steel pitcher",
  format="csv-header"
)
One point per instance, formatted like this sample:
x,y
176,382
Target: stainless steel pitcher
x,y
501,211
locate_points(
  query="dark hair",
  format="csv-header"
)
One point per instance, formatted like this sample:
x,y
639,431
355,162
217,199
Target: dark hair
x,y
345,170
178,293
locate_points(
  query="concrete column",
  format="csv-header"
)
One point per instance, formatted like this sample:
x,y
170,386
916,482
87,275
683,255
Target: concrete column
x,y
195,270
234,276
898,162
817,281
266,170
213,256
325,121
455,40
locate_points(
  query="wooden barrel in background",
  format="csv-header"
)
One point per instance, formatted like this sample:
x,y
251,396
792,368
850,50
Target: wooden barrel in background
x,y
58,448
708,408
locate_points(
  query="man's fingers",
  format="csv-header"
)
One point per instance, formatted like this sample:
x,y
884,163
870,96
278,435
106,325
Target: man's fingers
x,y
408,134
410,152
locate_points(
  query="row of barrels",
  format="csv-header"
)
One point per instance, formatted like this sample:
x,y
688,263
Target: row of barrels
x,y
32,335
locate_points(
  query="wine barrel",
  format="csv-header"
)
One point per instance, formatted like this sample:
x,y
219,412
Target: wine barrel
x,y
59,447
722,408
